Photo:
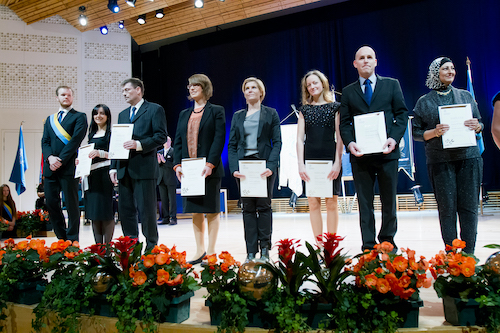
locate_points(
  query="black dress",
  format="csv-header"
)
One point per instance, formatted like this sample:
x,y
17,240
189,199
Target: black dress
x,y
99,196
320,134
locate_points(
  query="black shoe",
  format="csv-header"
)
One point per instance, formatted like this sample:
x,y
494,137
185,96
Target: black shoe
x,y
164,222
197,261
173,222
264,254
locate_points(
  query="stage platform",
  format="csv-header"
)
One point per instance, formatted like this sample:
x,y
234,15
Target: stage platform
x,y
417,230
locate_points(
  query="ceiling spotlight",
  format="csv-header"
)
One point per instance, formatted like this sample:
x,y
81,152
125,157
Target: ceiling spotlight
x,y
141,19
198,4
131,3
104,30
82,18
159,13
113,6
121,24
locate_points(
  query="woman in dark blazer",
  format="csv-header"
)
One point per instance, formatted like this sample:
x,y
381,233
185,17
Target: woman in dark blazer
x,y
201,132
255,134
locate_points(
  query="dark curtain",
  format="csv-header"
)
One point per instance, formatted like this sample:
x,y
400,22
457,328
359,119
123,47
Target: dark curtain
x,y
406,35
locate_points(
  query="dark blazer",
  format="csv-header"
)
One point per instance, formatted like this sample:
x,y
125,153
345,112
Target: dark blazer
x,y
150,128
211,137
387,97
167,173
75,123
268,138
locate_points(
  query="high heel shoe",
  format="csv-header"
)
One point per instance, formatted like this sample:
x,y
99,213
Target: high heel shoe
x,y
199,260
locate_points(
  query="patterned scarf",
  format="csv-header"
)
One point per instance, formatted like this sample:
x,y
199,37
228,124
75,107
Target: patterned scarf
x,y
433,81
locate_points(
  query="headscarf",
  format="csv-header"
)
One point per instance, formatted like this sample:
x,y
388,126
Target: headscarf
x,y
433,81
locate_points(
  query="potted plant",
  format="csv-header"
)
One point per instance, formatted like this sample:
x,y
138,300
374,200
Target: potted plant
x,y
385,291
458,281
488,302
31,222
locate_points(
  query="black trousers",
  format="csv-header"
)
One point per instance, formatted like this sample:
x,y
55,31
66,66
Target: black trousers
x,y
168,201
258,219
456,187
365,174
69,186
138,193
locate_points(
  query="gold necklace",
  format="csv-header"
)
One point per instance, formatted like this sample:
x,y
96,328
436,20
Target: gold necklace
x,y
443,93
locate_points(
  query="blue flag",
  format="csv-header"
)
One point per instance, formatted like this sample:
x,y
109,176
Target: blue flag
x,y
20,166
479,136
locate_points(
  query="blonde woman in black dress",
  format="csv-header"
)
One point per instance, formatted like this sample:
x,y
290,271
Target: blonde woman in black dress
x,y
318,138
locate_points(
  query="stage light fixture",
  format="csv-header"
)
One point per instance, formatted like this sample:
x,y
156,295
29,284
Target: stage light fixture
x,y
141,19
131,3
159,13
82,18
113,6
104,30
198,4
121,24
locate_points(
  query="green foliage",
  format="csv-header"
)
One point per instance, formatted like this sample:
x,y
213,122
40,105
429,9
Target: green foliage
x,y
489,302
461,286
30,222
285,310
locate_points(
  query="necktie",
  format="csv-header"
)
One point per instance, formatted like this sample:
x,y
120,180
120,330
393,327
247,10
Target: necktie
x,y
59,116
132,114
368,91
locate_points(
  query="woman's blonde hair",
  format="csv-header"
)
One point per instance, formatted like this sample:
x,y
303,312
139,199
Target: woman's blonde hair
x,y
260,85
327,93
205,83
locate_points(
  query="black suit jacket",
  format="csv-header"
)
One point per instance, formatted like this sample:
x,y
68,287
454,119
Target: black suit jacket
x,y
211,137
167,173
150,128
75,123
387,97
268,138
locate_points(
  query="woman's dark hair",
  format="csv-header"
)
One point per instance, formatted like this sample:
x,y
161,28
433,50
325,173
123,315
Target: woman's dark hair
x,y
9,200
93,125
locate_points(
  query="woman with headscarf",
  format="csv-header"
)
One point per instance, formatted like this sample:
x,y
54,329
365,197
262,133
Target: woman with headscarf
x,y
201,131
256,134
455,173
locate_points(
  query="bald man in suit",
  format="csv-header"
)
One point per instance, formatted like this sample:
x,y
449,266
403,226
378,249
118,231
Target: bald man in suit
x,y
374,93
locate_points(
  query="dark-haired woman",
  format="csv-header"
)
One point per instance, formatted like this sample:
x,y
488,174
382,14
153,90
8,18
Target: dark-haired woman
x,y
455,173
99,196
9,212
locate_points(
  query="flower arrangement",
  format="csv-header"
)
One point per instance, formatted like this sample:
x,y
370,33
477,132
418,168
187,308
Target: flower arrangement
x,y
4,224
30,222
456,273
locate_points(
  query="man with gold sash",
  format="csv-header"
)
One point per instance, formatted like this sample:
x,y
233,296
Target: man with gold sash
x,y
62,134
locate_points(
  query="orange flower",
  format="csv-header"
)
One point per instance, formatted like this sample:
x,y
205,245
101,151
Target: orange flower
x,y
176,281
390,266
400,263
139,278
149,260
162,276
371,280
22,245
131,272
468,260
370,256
459,244
70,255
386,247
227,258
454,269
29,237
76,244
467,269
407,293
379,270
162,258
383,285
224,267
212,259
423,264
404,281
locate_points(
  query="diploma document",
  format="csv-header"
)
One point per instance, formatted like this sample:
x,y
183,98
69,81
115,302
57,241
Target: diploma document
x,y
319,185
84,161
253,185
192,182
458,135
119,134
371,133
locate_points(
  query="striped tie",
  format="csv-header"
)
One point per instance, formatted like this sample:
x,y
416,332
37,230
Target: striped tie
x,y
132,114
59,116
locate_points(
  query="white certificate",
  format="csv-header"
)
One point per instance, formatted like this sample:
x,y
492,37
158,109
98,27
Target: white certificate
x,y
371,133
84,161
119,134
253,185
192,182
458,135
319,185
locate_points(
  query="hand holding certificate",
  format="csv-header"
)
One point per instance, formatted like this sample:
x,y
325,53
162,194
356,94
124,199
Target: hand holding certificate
x,y
371,134
193,182
458,135
253,185
318,184
120,133
84,161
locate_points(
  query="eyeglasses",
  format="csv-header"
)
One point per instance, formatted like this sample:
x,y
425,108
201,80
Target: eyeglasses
x,y
189,86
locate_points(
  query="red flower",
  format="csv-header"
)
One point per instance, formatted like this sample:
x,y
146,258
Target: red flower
x,y
286,250
330,243
99,249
